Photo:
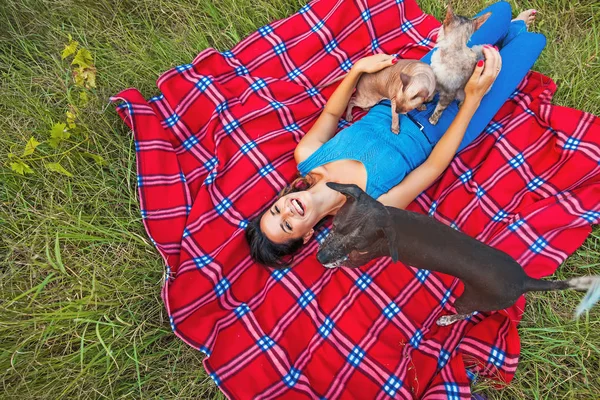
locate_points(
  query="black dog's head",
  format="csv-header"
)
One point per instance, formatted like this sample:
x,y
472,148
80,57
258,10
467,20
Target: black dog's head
x,y
361,231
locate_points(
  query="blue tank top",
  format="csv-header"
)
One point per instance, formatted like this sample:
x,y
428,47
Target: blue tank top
x,y
387,157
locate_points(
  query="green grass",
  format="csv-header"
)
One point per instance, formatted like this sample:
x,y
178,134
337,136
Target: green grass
x,y
81,315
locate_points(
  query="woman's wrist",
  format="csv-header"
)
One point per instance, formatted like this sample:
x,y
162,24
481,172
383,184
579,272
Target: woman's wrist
x,y
356,69
471,103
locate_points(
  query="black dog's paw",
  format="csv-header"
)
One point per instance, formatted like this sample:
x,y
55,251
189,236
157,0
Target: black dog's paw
x,y
446,320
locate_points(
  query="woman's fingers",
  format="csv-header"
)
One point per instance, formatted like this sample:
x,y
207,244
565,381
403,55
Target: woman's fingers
x,y
492,62
478,70
485,73
377,62
386,59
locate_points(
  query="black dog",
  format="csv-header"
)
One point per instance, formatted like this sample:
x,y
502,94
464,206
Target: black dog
x,y
365,229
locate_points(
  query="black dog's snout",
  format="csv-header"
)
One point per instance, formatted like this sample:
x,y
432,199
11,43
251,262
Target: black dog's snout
x,y
321,257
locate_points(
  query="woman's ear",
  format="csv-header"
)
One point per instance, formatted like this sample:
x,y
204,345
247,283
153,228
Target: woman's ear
x,y
307,236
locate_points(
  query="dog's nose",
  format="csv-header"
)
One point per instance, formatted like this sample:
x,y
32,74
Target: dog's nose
x,y
321,257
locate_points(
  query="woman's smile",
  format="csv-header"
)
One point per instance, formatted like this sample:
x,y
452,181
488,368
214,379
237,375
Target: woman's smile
x,y
298,206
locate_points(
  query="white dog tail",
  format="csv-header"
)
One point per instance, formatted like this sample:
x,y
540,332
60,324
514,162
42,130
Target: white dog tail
x,y
589,284
592,285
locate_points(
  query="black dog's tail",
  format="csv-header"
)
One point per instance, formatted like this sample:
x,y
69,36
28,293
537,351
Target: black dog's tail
x,y
591,284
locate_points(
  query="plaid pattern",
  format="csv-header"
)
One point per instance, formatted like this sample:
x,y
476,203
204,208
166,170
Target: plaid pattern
x,y
216,147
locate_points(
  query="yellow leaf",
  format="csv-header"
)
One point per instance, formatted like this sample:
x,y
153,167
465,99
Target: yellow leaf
x,y
70,48
30,146
71,119
90,78
85,77
83,98
20,167
83,58
78,77
56,167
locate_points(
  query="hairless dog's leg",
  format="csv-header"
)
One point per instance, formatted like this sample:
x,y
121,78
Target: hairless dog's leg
x,y
351,104
395,119
450,319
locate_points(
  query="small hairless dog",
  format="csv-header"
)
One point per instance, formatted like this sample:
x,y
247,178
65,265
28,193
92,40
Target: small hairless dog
x,y
364,229
407,84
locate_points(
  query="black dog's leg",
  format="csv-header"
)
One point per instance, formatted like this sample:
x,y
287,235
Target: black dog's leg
x,y
465,306
450,319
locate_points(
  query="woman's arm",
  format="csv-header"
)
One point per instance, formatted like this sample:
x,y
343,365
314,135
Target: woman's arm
x,y
326,125
444,151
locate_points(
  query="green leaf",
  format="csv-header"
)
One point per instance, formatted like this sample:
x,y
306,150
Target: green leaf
x,y
56,167
54,142
69,49
83,58
58,265
98,159
58,133
20,167
59,262
59,130
30,146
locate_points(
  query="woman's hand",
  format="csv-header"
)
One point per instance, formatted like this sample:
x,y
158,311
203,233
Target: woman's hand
x,y
374,63
484,75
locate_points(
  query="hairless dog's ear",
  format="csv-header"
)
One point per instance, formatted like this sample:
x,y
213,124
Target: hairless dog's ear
x,y
390,235
423,93
405,80
347,190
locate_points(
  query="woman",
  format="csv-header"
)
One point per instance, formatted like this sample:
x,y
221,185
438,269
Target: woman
x,y
394,169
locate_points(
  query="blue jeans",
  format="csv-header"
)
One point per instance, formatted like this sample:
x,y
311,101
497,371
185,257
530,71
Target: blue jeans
x,y
519,50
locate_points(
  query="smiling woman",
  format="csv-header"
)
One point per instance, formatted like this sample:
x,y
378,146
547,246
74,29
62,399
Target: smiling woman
x,y
394,169
99,326
290,221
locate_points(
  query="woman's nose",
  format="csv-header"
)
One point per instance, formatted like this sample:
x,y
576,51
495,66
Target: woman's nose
x,y
286,211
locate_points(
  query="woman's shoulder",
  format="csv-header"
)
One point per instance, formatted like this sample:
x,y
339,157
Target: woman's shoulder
x,y
303,151
318,173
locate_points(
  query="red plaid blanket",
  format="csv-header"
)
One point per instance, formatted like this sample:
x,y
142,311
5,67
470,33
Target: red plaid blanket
x,y
216,147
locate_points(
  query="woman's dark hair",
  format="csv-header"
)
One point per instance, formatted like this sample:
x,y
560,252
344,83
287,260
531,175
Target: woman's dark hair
x,y
262,249
266,252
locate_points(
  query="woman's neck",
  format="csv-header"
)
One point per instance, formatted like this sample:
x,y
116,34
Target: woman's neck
x,y
326,201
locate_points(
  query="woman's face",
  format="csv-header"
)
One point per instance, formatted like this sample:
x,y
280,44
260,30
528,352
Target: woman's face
x,y
291,217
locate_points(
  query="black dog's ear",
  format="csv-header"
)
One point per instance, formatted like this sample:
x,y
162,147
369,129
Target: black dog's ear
x,y
352,191
390,235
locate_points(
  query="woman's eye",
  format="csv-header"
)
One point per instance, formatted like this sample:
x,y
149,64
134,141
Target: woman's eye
x,y
287,225
277,209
